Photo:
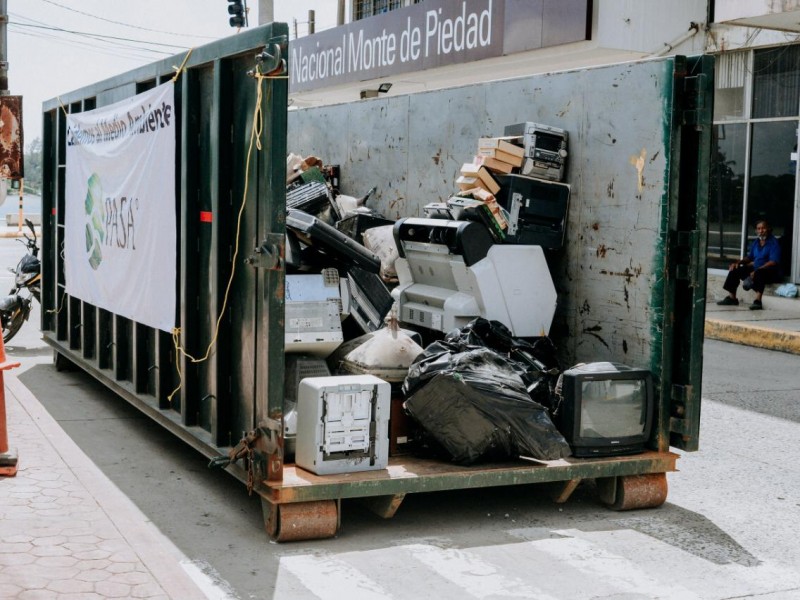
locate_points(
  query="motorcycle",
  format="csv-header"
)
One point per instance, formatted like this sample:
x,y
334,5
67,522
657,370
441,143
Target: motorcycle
x,y
16,307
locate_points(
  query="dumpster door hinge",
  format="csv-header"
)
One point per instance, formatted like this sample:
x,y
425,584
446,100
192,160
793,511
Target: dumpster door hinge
x,y
686,250
270,60
682,397
269,255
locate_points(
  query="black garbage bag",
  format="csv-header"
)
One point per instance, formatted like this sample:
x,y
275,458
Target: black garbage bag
x,y
535,362
473,402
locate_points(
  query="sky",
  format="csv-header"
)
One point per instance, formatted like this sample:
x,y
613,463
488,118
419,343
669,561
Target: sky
x,y
46,60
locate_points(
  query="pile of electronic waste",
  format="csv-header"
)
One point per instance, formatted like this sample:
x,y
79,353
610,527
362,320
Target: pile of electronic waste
x,y
425,334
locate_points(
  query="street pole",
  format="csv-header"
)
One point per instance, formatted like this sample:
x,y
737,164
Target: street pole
x,y
3,48
266,11
4,68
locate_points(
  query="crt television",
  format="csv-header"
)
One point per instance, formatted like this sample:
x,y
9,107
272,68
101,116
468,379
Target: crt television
x,y
607,409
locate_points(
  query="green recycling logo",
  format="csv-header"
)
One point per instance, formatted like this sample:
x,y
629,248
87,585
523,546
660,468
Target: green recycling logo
x,y
95,214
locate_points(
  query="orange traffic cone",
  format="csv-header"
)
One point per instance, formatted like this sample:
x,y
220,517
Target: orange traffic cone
x,y
8,458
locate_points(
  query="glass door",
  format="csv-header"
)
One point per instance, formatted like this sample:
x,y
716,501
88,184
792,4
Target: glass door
x,y
773,182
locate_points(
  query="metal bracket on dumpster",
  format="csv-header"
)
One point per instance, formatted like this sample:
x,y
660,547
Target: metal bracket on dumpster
x,y
268,255
272,464
256,447
270,429
241,450
270,60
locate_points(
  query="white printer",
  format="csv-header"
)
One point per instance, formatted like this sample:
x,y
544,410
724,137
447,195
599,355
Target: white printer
x,y
451,272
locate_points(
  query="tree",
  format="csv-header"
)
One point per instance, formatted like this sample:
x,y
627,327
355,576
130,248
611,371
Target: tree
x,y
33,167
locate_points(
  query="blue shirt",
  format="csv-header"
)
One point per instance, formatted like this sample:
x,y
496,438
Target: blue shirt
x,y
761,255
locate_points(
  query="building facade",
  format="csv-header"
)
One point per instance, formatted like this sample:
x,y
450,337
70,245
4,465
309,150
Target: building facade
x,y
418,45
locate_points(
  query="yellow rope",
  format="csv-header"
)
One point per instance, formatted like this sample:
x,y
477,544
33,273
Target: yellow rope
x,y
58,310
63,108
179,70
255,133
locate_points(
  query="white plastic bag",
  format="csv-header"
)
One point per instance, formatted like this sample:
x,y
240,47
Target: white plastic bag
x,y
787,290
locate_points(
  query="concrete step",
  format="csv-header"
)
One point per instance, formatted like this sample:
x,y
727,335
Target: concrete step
x,y
771,300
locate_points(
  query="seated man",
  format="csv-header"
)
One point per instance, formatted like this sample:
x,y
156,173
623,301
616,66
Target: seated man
x,y
760,267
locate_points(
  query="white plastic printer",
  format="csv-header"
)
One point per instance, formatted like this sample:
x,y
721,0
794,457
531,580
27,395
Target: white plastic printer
x,y
451,272
343,424
313,306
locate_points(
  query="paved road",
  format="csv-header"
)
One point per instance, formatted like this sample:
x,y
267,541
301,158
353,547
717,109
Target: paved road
x,y
728,529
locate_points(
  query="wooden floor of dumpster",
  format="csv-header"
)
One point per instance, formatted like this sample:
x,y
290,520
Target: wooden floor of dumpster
x,y
306,506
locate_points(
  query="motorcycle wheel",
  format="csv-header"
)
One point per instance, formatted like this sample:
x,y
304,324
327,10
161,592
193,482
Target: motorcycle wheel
x,y
12,323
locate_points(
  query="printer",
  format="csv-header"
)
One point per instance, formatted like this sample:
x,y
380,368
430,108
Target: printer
x,y
451,272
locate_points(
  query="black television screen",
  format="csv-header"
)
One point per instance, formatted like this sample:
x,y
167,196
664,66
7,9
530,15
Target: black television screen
x,y
607,409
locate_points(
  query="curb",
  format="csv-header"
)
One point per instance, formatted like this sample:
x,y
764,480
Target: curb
x,y
752,335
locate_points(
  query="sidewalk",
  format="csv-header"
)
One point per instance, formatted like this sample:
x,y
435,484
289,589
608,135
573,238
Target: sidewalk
x,y
777,327
66,531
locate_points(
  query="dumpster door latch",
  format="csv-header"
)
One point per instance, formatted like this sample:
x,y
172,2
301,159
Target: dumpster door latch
x,y
269,255
270,60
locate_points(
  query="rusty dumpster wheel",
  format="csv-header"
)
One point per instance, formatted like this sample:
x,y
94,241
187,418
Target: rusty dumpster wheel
x,y
302,520
630,492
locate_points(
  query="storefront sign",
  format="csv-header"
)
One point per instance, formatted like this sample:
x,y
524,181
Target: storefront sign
x,y
432,34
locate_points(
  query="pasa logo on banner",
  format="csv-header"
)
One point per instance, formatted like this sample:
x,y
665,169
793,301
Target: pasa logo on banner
x,y
120,223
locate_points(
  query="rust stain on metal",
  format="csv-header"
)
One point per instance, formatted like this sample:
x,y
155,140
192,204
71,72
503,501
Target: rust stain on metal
x,y
628,273
601,251
638,163
437,157
596,226
591,331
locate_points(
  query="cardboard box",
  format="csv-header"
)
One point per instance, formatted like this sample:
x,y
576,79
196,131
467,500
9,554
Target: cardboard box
x,y
509,144
506,157
467,183
494,165
484,177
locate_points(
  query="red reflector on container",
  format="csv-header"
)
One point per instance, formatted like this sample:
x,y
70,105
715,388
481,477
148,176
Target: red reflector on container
x,y
205,216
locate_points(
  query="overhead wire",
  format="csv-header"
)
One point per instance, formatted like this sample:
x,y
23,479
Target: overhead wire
x,y
80,12
125,52
100,35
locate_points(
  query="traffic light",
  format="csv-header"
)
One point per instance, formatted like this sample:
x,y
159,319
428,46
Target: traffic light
x,y
238,11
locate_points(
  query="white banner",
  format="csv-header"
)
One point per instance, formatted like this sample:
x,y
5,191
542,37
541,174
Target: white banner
x,y
120,244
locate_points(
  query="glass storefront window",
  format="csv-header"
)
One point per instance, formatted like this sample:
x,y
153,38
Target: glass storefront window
x,y
729,82
776,82
772,180
369,8
726,198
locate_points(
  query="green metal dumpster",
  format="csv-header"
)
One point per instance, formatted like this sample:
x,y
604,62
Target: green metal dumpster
x,y
640,143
